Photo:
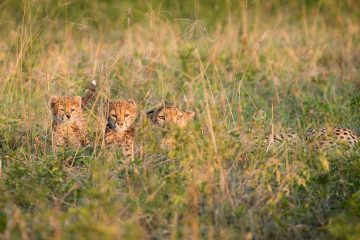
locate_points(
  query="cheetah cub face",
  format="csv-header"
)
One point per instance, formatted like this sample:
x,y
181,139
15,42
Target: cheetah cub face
x,y
66,109
170,115
121,115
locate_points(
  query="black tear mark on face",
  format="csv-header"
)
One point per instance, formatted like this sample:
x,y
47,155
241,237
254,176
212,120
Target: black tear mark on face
x,y
111,123
150,113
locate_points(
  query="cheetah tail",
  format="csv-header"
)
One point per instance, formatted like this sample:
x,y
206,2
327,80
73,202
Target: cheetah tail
x,y
89,94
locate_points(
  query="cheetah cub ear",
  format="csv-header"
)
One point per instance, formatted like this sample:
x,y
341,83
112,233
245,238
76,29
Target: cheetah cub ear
x,y
77,100
53,100
107,102
192,114
150,112
132,102
106,107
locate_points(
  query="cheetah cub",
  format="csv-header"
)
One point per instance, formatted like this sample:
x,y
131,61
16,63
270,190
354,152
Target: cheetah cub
x,y
166,115
169,116
68,123
120,129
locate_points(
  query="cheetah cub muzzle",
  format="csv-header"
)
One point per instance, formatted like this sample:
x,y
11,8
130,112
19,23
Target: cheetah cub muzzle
x,y
120,129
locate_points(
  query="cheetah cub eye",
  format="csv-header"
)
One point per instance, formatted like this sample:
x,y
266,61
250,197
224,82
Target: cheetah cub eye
x,y
165,115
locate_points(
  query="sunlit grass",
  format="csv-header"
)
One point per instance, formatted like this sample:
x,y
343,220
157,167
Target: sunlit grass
x,y
246,68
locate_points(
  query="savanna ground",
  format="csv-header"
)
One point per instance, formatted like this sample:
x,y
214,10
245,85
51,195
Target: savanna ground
x,y
246,67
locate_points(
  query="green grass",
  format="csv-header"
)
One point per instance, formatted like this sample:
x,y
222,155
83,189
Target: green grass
x,y
244,67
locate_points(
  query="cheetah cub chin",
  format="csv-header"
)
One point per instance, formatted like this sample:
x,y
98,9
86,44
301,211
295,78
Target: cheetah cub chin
x,y
166,115
120,129
68,123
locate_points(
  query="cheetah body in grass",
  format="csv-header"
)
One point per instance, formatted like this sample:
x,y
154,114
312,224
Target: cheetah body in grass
x,y
323,138
120,129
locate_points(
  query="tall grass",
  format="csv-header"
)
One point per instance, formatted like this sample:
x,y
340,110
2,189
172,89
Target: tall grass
x,y
246,67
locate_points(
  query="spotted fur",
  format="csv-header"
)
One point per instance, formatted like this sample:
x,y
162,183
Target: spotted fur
x,y
280,138
323,138
331,137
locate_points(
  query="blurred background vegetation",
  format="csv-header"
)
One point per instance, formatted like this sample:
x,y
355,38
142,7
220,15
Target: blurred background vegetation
x,y
246,67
